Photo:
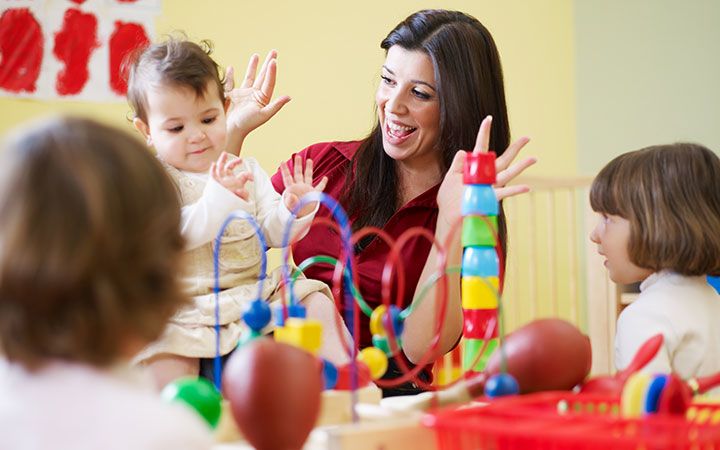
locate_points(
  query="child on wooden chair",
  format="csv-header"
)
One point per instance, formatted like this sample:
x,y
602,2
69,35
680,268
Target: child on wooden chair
x,y
90,247
660,225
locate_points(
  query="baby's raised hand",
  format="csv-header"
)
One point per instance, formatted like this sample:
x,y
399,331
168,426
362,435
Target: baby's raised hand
x,y
223,171
250,104
299,183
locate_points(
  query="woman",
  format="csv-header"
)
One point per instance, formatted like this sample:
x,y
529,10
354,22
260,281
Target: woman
x,y
440,83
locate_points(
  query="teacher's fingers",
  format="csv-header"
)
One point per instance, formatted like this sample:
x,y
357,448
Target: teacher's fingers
x,y
250,71
505,176
510,191
456,166
504,160
482,142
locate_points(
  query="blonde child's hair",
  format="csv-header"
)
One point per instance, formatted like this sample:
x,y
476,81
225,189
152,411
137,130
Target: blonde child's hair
x,y
90,244
670,194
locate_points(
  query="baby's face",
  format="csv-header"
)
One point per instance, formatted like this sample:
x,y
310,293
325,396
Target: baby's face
x,y
188,131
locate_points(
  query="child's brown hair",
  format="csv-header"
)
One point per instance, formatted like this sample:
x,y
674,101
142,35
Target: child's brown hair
x,y
174,62
670,194
90,244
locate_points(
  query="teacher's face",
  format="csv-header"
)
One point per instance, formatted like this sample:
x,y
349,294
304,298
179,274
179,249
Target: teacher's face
x,y
409,107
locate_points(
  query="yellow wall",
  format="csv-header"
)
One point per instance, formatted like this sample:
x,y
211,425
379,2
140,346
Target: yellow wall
x,y
329,59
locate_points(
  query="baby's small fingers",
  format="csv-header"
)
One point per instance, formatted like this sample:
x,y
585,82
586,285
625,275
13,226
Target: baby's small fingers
x,y
233,164
309,171
285,172
297,176
242,193
321,185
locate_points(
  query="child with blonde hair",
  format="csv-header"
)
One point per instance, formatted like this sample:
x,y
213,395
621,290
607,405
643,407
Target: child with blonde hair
x,y
181,108
660,225
89,250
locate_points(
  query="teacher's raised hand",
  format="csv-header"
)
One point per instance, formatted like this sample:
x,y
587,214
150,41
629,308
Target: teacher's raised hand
x,y
450,193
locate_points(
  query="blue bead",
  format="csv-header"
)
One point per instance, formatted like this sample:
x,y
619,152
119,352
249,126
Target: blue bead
x,y
397,322
480,262
330,374
501,384
479,199
297,311
257,315
652,396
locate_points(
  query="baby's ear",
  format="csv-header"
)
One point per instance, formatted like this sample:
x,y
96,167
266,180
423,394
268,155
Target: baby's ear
x,y
227,102
143,128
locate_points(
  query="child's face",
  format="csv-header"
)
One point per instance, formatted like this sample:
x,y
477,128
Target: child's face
x,y
612,235
187,131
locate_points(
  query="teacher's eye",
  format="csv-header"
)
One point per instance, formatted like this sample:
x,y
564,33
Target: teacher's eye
x,y
421,95
387,80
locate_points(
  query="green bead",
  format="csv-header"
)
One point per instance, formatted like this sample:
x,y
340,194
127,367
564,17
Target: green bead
x,y
476,230
247,336
471,348
383,343
200,394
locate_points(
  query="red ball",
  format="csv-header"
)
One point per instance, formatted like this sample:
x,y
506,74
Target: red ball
x,y
545,355
274,393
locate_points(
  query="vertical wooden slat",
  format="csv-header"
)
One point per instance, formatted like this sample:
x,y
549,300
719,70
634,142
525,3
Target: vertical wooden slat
x,y
572,257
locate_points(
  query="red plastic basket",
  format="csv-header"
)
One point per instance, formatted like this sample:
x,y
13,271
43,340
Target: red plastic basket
x,y
563,420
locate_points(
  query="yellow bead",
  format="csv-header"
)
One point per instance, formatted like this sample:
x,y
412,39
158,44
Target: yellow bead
x,y
376,321
302,333
375,359
633,394
479,292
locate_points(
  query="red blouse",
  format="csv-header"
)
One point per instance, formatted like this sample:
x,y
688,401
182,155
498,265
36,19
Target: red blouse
x,y
332,159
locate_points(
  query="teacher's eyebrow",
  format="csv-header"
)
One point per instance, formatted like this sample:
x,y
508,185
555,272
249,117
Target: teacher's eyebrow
x,y
425,83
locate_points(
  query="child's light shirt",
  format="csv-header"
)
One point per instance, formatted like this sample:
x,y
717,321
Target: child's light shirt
x,y
79,407
205,206
686,310
201,220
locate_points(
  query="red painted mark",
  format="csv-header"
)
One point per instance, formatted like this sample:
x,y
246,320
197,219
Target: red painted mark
x,y
79,2
21,50
74,44
126,38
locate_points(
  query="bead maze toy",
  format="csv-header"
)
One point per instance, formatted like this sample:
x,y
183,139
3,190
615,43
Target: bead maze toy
x,y
481,287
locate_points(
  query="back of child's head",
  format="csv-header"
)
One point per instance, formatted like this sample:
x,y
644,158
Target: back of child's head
x,y
89,244
175,62
670,194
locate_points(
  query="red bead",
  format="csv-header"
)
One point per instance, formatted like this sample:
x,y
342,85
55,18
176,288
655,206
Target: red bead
x,y
344,379
479,168
476,321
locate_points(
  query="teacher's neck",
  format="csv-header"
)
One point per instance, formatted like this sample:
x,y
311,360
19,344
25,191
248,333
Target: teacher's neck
x,y
413,180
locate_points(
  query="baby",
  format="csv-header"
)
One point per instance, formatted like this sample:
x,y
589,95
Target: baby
x,y
178,97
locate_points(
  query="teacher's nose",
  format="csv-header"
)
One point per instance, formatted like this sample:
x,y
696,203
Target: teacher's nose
x,y
396,103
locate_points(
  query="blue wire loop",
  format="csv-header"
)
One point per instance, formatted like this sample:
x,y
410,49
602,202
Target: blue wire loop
x,y
339,215
235,215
